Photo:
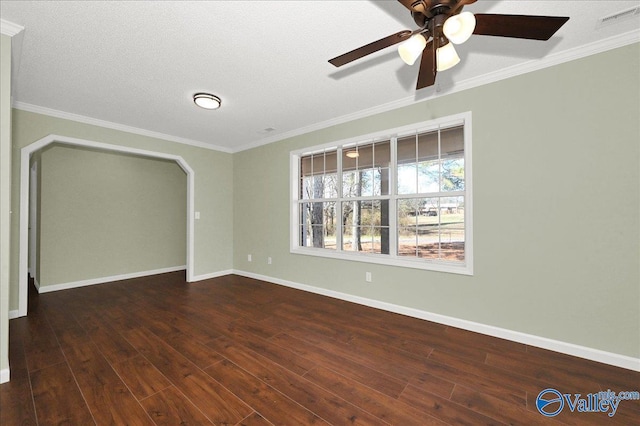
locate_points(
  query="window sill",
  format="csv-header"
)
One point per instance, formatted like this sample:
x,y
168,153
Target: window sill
x,y
385,259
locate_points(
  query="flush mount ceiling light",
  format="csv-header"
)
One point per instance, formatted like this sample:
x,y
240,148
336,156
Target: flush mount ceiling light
x,y
352,154
207,100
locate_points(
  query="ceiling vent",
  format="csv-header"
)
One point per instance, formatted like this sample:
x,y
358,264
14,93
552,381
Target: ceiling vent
x,y
619,17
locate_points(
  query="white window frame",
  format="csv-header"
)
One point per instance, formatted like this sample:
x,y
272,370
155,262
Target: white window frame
x,y
465,268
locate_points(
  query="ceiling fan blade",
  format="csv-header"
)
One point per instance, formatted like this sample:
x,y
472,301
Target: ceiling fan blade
x,y
427,74
518,26
370,48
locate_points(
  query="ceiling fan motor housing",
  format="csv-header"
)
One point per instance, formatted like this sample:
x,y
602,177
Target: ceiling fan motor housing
x,y
431,8
433,26
431,15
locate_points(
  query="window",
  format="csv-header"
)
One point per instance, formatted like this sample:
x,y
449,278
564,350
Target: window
x,y
401,197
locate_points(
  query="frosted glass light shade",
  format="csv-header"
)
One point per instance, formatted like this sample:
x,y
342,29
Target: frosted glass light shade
x,y
446,57
207,100
459,28
410,49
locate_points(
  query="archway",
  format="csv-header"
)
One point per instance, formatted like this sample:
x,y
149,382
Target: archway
x,y
25,157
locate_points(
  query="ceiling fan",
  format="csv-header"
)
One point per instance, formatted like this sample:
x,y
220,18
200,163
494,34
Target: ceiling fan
x,y
441,24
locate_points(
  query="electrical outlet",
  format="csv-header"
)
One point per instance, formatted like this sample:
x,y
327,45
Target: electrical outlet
x,y
248,258
269,261
367,277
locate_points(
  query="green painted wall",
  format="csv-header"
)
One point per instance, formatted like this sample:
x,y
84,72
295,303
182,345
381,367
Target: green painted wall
x,y
105,214
556,204
5,195
556,207
213,188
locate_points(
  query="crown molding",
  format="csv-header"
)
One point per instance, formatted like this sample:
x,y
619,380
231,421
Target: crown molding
x,y
513,71
115,126
551,60
9,28
516,70
332,122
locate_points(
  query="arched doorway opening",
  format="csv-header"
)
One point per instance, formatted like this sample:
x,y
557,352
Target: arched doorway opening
x,y
25,175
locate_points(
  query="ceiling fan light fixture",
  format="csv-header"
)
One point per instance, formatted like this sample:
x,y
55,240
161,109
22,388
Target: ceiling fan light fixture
x,y
446,57
458,28
410,49
207,100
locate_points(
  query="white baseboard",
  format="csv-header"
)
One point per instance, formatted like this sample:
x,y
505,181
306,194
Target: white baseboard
x,y
212,275
597,355
102,280
4,376
14,314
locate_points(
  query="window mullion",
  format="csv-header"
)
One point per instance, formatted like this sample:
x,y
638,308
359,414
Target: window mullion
x,y
445,138
339,201
393,203
417,162
432,195
439,198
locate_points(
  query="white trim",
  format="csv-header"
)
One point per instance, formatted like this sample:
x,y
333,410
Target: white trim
x,y
9,28
212,275
33,216
534,65
25,156
102,280
597,355
385,259
502,74
549,61
393,259
4,375
14,314
116,126
294,172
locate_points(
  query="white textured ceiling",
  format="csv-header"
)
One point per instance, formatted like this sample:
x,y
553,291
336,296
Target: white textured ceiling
x,y
137,63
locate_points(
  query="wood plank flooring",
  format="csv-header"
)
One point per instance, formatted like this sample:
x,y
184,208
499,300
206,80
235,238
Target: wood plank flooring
x,y
237,351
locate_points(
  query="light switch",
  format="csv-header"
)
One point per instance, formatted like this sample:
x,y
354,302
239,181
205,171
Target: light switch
x,y
197,215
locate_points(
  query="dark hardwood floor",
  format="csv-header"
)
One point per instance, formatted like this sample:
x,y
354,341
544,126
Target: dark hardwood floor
x,y
233,350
